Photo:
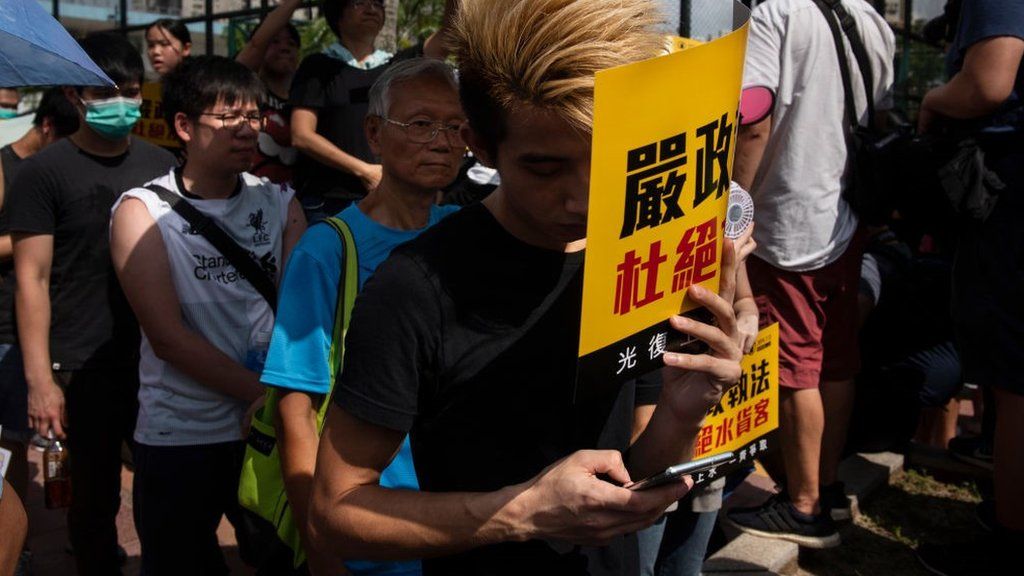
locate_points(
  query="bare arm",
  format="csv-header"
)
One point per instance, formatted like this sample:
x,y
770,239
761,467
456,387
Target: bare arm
x,y
33,257
140,260
352,517
747,316
255,49
297,440
295,226
750,148
436,46
305,138
15,524
981,87
6,248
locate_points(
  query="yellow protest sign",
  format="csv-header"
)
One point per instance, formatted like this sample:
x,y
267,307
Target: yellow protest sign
x,y
151,127
747,412
663,146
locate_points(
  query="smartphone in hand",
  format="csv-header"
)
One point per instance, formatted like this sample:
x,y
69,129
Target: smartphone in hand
x,y
674,473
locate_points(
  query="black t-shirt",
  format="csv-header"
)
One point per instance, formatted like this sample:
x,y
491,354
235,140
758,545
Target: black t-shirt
x,y
467,338
66,192
339,94
8,334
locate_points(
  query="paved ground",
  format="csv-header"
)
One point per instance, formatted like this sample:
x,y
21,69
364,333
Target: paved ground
x,y
48,537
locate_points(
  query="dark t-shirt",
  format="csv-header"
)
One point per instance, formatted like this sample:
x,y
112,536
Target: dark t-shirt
x,y
980,20
8,334
65,192
467,338
339,94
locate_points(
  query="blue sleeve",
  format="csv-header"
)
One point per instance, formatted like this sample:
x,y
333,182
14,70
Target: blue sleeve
x,y
301,342
990,18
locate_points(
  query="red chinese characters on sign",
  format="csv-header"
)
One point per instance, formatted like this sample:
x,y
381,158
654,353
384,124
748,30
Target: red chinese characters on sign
x,y
635,275
704,440
761,412
636,282
697,251
746,423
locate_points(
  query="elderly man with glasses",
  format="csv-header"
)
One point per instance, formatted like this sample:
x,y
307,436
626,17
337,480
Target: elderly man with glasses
x,y
413,125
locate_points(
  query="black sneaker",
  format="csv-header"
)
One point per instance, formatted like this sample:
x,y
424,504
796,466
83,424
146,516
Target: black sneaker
x,y
778,519
974,450
835,501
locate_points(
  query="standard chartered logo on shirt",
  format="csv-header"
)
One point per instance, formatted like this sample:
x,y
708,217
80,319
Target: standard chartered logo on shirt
x,y
219,269
215,269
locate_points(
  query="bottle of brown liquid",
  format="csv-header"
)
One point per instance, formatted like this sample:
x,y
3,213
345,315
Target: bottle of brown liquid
x,y
57,475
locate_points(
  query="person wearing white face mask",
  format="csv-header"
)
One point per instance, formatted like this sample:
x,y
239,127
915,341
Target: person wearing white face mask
x,y
78,337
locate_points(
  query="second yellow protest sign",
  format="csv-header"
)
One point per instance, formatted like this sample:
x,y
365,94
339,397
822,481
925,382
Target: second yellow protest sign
x,y
152,127
747,413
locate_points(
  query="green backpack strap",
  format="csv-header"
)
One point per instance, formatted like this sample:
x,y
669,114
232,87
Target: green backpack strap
x,y
348,286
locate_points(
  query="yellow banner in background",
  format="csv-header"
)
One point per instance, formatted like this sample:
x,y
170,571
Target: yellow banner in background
x,y
663,146
151,127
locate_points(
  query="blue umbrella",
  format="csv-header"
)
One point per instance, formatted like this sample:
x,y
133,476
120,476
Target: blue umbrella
x,y
35,50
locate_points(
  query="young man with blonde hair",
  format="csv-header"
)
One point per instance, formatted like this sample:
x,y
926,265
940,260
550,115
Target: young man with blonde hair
x,y
466,338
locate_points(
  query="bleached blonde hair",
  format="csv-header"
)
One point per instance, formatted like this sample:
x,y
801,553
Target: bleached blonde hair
x,y
545,53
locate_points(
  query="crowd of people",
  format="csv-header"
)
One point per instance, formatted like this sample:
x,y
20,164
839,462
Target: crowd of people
x,y
200,305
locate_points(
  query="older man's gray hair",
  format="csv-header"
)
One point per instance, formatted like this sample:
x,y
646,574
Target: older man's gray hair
x,y
413,69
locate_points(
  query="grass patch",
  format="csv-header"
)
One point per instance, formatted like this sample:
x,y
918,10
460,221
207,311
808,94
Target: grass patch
x,y
914,508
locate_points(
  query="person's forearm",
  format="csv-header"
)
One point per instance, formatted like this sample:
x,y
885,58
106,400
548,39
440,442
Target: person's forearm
x,y
744,303
32,306
323,151
206,364
6,248
375,523
961,99
297,441
255,50
750,148
666,441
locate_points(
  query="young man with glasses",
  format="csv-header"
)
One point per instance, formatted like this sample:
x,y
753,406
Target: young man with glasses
x,y
78,338
205,325
413,125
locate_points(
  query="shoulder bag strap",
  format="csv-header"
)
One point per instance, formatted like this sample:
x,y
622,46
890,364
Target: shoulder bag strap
x,y
348,286
849,26
239,257
844,65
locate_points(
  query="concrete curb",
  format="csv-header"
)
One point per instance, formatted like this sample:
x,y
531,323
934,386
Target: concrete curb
x,y
747,555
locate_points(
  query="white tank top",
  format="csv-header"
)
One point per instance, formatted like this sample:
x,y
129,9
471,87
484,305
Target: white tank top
x,y
215,302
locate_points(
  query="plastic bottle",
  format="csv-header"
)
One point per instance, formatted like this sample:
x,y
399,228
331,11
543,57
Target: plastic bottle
x,y
57,474
256,356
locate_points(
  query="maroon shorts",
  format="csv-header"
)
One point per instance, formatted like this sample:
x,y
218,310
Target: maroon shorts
x,y
817,315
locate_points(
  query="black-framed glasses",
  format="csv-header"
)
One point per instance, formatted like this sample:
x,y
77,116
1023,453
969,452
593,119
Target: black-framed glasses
x,y
424,131
367,4
234,120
